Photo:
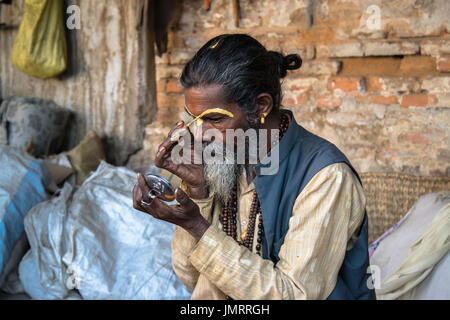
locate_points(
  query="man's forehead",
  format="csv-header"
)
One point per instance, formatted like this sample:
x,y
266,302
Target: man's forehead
x,y
200,99
206,92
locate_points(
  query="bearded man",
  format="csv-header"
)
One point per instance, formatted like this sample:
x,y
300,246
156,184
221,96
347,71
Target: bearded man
x,y
298,231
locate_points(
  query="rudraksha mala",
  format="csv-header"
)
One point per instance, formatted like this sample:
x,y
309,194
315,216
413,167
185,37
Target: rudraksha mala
x,y
229,213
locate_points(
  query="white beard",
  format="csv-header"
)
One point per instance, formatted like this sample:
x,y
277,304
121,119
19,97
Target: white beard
x,y
221,177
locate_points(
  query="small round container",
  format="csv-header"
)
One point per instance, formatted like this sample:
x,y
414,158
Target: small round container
x,y
160,187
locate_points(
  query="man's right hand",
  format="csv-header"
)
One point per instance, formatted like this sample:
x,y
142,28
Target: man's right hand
x,y
192,174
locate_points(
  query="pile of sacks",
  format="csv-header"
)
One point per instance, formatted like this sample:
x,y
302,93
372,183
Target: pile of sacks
x,y
88,242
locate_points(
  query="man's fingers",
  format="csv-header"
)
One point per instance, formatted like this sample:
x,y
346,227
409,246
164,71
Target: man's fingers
x,y
183,199
144,188
163,152
161,155
156,207
175,136
171,140
178,125
159,210
137,197
138,200
178,130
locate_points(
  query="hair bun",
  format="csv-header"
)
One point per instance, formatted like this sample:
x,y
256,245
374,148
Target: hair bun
x,y
284,63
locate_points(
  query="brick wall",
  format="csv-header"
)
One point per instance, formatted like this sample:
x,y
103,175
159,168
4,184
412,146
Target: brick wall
x,y
377,88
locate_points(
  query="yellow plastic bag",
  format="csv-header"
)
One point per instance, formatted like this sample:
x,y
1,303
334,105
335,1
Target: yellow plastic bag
x,y
40,47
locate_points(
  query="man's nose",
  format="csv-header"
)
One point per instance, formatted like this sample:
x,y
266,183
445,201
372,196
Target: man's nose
x,y
198,132
201,133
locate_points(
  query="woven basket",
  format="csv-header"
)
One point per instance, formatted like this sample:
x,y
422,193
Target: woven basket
x,y
391,195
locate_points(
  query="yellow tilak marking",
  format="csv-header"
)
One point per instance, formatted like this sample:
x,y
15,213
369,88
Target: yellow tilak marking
x,y
217,110
199,119
214,110
187,110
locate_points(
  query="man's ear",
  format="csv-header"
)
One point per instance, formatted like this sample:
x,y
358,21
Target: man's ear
x,y
265,104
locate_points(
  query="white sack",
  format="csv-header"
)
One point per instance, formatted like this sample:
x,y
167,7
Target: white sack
x,y
99,244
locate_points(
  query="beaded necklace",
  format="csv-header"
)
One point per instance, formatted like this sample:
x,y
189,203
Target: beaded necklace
x,y
229,213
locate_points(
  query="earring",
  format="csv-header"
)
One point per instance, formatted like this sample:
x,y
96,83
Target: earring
x,y
263,117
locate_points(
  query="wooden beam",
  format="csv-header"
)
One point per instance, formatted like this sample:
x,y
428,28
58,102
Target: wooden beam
x,y
236,12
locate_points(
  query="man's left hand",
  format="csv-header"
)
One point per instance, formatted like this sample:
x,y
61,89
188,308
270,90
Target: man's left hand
x,y
186,215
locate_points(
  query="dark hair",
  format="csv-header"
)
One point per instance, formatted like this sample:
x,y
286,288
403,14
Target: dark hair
x,y
243,67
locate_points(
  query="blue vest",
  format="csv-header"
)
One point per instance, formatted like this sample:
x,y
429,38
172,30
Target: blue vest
x,y
302,155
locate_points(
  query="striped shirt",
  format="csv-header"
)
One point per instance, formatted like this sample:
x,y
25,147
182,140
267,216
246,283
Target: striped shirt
x,y
325,222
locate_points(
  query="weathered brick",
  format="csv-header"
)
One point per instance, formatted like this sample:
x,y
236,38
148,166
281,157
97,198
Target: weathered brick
x,y
302,84
295,90
378,99
169,100
307,52
389,66
381,48
416,138
295,100
443,63
443,99
374,84
346,84
417,65
370,66
173,87
168,71
180,56
329,101
195,41
435,47
310,52
164,59
317,34
352,49
401,84
411,18
436,84
161,85
155,129
418,100
319,67
301,17
386,100
350,119
168,116
392,84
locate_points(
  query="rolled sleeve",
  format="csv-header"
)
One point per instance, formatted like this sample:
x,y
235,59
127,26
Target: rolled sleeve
x,y
183,243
